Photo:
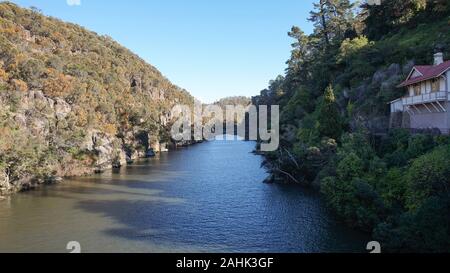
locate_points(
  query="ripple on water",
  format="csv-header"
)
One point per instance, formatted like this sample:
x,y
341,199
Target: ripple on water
x,y
208,197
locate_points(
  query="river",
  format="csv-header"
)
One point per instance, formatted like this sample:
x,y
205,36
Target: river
x,y
205,198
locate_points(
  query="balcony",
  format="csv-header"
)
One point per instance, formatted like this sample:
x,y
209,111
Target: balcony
x,y
425,98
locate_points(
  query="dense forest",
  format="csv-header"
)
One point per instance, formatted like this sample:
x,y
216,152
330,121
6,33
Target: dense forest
x,y
73,102
334,100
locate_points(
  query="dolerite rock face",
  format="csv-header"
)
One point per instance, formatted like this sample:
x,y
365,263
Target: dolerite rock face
x,y
62,109
73,102
39,116
107,148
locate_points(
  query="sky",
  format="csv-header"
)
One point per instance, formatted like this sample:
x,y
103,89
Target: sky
x,y
212,48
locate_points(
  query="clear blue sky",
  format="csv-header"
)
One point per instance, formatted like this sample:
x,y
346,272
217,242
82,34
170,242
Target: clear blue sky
x,y
213,48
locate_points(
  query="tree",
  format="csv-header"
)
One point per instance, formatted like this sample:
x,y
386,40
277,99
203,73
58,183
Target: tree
x,y
31,71
331,18
349,47
429,177
21,156
426,230
381,19
300,55
439,6
329,118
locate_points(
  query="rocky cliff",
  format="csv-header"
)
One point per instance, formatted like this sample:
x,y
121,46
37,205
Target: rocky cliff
x,y
73,102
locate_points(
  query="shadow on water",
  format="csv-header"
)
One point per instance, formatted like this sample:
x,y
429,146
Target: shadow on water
x,y
209,197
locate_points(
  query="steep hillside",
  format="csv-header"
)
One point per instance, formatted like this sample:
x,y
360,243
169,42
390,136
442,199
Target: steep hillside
x,y
335,118
73,102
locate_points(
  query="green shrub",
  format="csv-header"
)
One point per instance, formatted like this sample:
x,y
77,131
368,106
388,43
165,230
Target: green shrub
x,y
425,230
428,176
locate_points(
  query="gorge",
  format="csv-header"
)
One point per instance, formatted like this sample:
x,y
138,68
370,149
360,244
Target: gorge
x,y
73,103
80,106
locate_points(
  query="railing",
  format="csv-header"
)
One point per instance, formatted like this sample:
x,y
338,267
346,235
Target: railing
x,y
424,98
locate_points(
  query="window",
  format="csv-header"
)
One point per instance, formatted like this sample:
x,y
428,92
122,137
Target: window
x,y
417,90
435,85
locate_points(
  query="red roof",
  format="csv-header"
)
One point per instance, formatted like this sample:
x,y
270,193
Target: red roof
x,y
428,72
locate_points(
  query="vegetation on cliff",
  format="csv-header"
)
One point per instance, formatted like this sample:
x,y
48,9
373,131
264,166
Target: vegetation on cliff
x,y
334,101
233,101
72,101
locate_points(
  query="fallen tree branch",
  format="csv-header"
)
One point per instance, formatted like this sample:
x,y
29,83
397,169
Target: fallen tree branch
x,y
292,158
289,175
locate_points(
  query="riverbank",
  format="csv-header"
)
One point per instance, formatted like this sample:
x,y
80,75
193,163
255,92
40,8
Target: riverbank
x,y
77,170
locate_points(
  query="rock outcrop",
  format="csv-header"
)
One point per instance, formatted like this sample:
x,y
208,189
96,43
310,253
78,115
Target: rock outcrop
x,y
73,102
39,115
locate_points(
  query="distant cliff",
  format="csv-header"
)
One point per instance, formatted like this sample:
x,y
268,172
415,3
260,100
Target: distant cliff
x,y
73,102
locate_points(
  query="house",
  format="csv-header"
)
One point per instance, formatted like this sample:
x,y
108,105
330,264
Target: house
x,y
426,103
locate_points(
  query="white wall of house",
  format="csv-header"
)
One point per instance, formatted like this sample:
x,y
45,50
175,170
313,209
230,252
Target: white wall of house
x,y
425,119
397,106
426,86
448,81
443,84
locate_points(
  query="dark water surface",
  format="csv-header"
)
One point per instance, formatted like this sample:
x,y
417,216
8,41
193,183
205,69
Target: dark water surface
x,y
209,197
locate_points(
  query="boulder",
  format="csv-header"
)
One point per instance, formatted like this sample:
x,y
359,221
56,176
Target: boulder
x,y
378,77
155,146
105,148
164,147
62,109
385,73
407,67
38,95
21,120
39,127
393,69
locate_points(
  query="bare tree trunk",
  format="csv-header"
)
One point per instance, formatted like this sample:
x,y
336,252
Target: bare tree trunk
x,y
292,158
291,177
324,22
4,180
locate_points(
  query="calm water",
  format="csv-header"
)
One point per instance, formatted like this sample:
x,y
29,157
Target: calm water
x,y
209,197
